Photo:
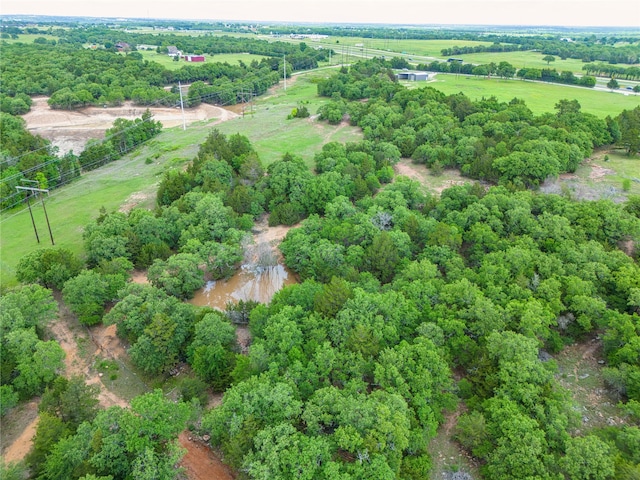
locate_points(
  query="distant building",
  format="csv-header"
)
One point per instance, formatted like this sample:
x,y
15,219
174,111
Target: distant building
x,y
412,76
193,58
173,51
123,46
454,60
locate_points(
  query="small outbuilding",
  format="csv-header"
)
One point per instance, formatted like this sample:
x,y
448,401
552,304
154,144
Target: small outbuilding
x,y
412,76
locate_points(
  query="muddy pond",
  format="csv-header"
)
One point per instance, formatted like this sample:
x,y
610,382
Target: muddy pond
x,y
261,275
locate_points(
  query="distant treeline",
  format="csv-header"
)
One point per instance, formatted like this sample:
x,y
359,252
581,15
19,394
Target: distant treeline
x,y
588,48
506,70
587,51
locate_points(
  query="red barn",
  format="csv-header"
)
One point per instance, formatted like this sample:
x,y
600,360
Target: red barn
x,y
193,58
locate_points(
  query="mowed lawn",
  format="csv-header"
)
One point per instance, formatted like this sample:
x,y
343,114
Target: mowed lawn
x,y
539,97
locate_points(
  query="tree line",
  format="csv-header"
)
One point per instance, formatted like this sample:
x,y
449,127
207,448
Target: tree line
x,y
506,70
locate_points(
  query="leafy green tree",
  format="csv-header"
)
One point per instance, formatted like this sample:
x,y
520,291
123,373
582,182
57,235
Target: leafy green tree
x,y
88,294
283,452
157,349
26,306
211,354
8,399
221,259
37,363
49,267
381,257
613,84
549,59
179,275
332,297
51,429
629,122
589,458
71,400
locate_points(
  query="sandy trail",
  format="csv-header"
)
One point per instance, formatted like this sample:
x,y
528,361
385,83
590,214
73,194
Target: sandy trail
x,y
22,444
200,462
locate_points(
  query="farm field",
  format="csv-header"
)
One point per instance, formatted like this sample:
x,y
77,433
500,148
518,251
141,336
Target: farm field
x,y
539,97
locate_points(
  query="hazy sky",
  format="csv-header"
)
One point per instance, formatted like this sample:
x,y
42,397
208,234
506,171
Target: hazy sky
x,y
470,12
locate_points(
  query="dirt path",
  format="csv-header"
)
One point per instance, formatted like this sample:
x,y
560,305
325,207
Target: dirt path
x,y
21,445
200,462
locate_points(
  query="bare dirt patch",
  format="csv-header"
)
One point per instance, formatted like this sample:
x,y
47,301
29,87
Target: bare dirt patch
x,y
18,429
580,372
422,174
71,129
139,276
446,454
411,171
200,463
243,337
134,200
598,172
107,343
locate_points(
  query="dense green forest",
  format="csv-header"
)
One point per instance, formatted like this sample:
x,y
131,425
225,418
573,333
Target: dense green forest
x,y
351,371
410,307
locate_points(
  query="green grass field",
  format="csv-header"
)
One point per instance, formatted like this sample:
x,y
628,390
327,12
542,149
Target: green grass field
x,y
539,97
29,38
168,62
273,135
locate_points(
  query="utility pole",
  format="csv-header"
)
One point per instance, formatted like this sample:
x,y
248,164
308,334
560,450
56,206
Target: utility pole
x,y
184,125
33,222
31,191
47,217
285,72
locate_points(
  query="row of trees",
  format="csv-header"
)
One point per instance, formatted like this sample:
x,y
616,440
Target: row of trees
x,y
608,70
506,70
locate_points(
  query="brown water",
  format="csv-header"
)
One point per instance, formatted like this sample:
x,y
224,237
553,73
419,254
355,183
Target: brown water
x,y
247,284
